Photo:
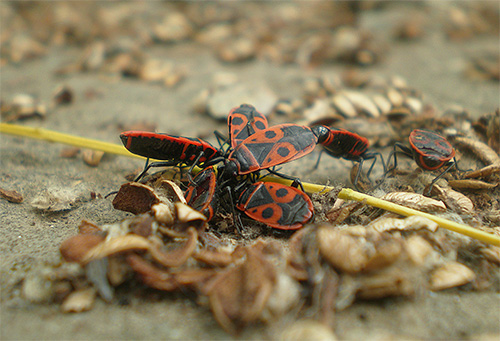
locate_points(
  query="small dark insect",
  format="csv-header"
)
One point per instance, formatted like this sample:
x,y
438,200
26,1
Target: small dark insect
x,y
175,150
341,143
430,151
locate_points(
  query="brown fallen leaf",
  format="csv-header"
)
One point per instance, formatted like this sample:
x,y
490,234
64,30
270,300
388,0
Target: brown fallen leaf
x,y
115,245
92,157
135,198
415,201
75,248
11,195
78,301
450,275
178,256
162,279
239,294
483,172
471,184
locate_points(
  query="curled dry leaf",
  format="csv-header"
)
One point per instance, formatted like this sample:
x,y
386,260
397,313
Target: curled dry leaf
x,y
391,281
484,172
454,200
410,223
115,245
450,275
187,216
178,256
75,248
285,296
239,294
415,201
420,251
57,198
491,253
92,157
135,198
163,213
470,184
484,152
171,189
356,248
88,227
340,212
296,265
308,330
217,257
164,280
11,195
78,301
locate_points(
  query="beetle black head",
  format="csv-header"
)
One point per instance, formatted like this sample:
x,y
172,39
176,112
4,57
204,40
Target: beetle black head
x,y
321,133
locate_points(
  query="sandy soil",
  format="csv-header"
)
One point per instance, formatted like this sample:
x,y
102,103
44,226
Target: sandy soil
x,y
28,237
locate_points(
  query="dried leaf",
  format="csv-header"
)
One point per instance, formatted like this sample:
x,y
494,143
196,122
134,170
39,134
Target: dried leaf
x,y
419,250
56,199
470,184
163,213
69,152
115,245
415,201
308,330
135,198
75,248
178,256
484,152
357,249
410,223
78,301
239,294
491,253
450,275
168,281
456,201
483,172
11,195
92,157
388,282
217,257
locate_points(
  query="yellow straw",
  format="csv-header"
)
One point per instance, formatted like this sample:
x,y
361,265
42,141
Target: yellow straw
x,y
349,194
53,136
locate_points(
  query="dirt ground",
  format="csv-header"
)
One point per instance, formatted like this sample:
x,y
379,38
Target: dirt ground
x,y
104,103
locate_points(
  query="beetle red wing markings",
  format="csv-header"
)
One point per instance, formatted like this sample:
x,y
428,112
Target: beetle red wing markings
x,y
431,145
244,121
276,205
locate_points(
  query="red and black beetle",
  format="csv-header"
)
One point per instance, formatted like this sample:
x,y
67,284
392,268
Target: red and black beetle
x,y
272,146
276,205
201,193
430,151
175,150
341,143
244,121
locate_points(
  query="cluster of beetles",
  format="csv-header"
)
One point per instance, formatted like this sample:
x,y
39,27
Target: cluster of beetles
x,y
230,175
